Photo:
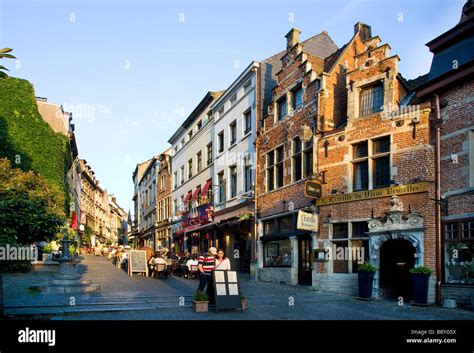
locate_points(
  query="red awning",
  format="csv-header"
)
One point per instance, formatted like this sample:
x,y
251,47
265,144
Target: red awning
x,y
188,196
196,193
206,187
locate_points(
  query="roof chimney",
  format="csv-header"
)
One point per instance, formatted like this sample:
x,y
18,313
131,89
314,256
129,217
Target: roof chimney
x,y
467,10
292,37
364,31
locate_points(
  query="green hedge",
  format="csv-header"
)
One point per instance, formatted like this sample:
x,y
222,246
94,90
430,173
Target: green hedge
x,y
25,134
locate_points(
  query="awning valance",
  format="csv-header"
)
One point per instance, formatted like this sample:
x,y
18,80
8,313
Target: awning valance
x,y
206,187
188,196
196,193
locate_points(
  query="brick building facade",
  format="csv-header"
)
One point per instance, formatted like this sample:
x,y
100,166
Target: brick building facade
x,y
366,144
163,201
449,88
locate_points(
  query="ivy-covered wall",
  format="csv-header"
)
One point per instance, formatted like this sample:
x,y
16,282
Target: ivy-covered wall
x,y
27,140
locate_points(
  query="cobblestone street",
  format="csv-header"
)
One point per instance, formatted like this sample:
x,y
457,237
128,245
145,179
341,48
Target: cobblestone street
x,y
122,297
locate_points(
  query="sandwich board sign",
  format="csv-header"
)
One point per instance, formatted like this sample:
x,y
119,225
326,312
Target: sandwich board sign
x,y
226,290
137,262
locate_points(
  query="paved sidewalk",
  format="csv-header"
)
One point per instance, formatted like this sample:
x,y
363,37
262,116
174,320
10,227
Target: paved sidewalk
x,y
139,297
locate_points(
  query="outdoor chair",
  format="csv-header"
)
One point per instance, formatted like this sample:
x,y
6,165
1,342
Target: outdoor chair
x,y
160,270
194,271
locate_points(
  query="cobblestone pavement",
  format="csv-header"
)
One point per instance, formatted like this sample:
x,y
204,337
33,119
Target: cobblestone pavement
x,y
129,298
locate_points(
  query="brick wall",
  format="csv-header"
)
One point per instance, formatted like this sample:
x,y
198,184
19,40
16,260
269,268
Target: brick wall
x,y
457,123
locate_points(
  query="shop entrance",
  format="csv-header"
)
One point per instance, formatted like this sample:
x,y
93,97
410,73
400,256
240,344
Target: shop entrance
x,y
305,260
242,250
397,257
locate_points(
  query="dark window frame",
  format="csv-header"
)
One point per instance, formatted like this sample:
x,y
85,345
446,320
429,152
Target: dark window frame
x,y
371,99
233,133
282,112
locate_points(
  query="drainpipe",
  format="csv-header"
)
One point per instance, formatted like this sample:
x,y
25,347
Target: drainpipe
x,y
258,113
439,245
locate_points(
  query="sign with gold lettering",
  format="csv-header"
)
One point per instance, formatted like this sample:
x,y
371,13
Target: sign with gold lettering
x,y
373,194
312,189
307,221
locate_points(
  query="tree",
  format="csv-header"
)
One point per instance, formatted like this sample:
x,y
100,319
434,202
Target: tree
x,y
4,54
29,209
86,237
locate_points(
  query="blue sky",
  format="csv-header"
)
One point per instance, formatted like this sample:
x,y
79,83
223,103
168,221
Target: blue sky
x,y
131,71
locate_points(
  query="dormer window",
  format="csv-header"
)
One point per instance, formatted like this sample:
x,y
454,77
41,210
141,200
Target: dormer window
x,y
371,99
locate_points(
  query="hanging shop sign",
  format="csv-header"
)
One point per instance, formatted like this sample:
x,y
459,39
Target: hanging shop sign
x,y
307,221
373,194
312,189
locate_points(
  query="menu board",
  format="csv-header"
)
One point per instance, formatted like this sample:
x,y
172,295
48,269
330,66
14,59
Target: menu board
x,y
137,262
227,290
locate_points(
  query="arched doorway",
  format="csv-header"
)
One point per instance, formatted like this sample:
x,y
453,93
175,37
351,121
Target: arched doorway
x,y
397,257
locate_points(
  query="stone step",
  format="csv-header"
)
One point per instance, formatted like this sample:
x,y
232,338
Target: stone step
x,y
70,282
59,310
70,289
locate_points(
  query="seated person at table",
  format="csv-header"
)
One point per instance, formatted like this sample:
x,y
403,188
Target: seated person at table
x,y
191,261
159,260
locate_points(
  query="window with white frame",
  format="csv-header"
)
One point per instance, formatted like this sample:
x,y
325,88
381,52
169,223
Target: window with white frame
x,y
190,168
221,186
220,141
181,170
459,251
297,159
233,100
209,153
270,170
199,161
371,164
175,179
275,168
247,86
308,158
233,181
351,240
247,175
247,121
233,132
279,166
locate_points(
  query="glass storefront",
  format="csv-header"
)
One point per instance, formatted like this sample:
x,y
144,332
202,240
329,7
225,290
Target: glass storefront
x,y
459,251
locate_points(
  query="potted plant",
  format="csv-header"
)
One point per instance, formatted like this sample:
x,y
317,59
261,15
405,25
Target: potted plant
x,y
245,302
200,302
46,252
421,276
366,279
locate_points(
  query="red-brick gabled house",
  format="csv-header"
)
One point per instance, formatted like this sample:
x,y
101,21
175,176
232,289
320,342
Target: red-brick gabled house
x,y
349,127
